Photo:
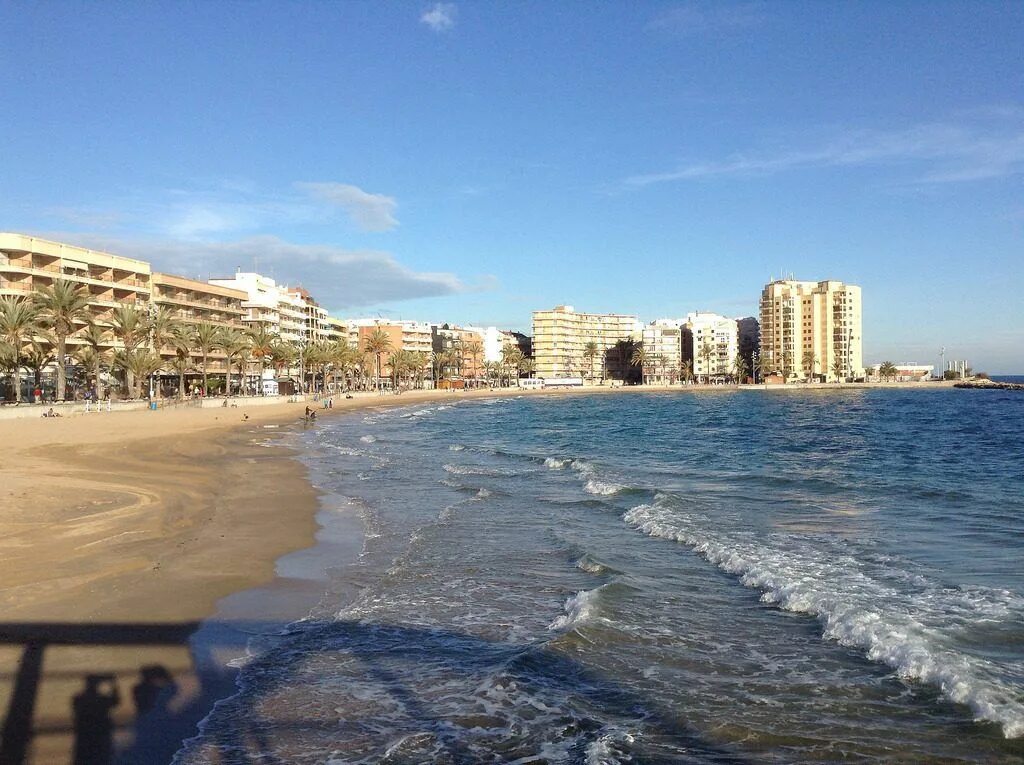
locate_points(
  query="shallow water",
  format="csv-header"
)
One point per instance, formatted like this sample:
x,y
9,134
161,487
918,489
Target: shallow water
x,y
720,577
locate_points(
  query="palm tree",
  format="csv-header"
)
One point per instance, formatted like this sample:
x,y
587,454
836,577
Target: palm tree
x,y
377,343
137,364
511,357
706,353
887,370
473,350
95,338
527,366
282,355
764,366
19,323
235,345
62,305
838,368
809,361
740,367
131,327
641,358
181,339
207,340
262,342
686,370
37,356
591,352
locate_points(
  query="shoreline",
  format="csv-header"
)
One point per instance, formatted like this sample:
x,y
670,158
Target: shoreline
x,y
175,525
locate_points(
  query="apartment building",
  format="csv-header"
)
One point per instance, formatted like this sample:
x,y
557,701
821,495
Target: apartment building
x,y
710,342
812,330
335,329
561,335
663,343
27,263
284,311
194,302
404,335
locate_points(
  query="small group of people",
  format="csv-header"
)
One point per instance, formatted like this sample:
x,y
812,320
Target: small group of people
x,y
51,413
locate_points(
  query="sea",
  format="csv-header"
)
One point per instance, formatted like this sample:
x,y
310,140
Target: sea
x,y
713,577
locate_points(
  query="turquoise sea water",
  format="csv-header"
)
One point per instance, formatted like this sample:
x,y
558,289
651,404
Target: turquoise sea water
x,y
746,576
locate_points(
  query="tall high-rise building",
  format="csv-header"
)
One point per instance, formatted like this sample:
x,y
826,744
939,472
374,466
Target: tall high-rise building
x,y
812,329
561,337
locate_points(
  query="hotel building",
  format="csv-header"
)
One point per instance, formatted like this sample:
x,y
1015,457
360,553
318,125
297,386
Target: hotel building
x,y
27,263
812,329
561,335
710,342
416,336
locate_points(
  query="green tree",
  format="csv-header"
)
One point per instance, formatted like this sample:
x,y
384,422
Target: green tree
x,y
138,364
235,346
810,363
764,366
63,306
591,352
686,370
96,338
838,368
706,352
740,367
131,327
182,339
262,341
887,370
207,340
642,360
377,343
19,324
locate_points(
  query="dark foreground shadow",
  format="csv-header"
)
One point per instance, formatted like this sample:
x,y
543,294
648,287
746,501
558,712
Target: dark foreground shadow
x,y
408,669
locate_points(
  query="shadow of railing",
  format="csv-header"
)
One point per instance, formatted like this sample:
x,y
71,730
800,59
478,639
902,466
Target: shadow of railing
x,y
412,668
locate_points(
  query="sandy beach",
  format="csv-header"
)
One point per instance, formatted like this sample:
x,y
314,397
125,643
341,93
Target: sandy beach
x,y
121,533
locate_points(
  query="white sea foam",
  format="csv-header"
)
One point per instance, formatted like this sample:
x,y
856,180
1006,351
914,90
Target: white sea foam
x,y
556,464
607,749
580,608
476,470
483,494
456,447
855,610
597,486
368,439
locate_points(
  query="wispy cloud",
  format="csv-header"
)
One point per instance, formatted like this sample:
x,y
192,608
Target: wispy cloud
x,y
218,209
371,212
702,18
931,153
339,278
440,16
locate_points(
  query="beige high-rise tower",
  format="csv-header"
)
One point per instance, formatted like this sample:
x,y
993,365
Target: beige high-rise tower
x,y
812,329
561,335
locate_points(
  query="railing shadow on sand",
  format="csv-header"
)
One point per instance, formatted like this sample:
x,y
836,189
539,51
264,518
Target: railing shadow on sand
x,y
159,727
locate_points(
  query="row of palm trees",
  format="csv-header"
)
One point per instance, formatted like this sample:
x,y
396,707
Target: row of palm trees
x,y
37,330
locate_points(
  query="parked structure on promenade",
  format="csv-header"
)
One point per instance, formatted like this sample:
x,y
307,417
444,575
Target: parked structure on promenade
x,y
907,371
561,338
710,343
811,330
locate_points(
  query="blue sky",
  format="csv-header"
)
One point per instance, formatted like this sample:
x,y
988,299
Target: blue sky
x,y
472,162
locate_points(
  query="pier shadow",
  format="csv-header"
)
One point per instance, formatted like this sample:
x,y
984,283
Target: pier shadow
x,y
403,666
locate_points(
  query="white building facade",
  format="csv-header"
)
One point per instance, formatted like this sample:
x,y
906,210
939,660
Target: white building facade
x,y
711,344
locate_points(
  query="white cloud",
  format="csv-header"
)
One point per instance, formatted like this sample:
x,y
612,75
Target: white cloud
x,y
707,18
338,278
370,212
440,16
932,153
